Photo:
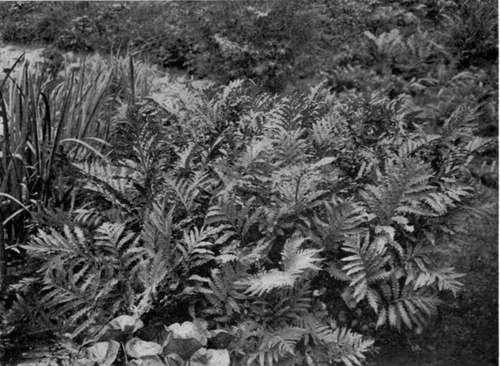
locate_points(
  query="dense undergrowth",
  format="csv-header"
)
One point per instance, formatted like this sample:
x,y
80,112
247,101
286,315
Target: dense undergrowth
x,y
277,43
152,220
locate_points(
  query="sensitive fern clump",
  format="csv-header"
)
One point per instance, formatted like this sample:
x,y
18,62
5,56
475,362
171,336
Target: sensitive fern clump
x,y
279,213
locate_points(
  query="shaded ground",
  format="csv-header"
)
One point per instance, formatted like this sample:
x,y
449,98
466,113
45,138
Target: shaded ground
x,y
408,358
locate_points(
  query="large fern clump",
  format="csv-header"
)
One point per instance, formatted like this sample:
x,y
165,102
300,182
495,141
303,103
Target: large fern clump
x,y
277,220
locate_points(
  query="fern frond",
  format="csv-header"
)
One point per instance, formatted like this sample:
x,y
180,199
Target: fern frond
x,y
289,147
113,182
445,279
351,346
339,344
238,216
269,281
185,159
422,271
221,292
254,159
46,245
342,219
296,263
196,247
187,190
365,264
277,346
405,190
410,307
89,218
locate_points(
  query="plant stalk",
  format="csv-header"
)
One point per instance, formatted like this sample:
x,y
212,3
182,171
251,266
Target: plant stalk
x,y
3,261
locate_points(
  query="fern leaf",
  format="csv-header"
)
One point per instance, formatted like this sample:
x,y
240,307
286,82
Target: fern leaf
x,y
296,262
365,264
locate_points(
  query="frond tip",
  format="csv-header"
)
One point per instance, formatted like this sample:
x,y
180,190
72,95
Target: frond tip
x,y
296,262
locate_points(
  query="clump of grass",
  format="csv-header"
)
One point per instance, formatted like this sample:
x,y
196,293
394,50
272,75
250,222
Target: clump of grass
x,y
46,123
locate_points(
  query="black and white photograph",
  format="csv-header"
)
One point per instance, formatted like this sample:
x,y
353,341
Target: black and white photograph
x,y
249,183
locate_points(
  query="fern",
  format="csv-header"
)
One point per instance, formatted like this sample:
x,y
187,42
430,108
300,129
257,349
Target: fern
x,y
342,220
298,189
422,271
211,196
349,347
89,218
323,134
283,307
221,292
188,190
84,275
336,343
276,346
405,190
76,280
237,217
113,182
254,160
406,306
296,262
196,247
445,279
365,265
289,147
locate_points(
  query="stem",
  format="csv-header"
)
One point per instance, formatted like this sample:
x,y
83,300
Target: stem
x,y
125,359
132,80
6,136
3,261
55,143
